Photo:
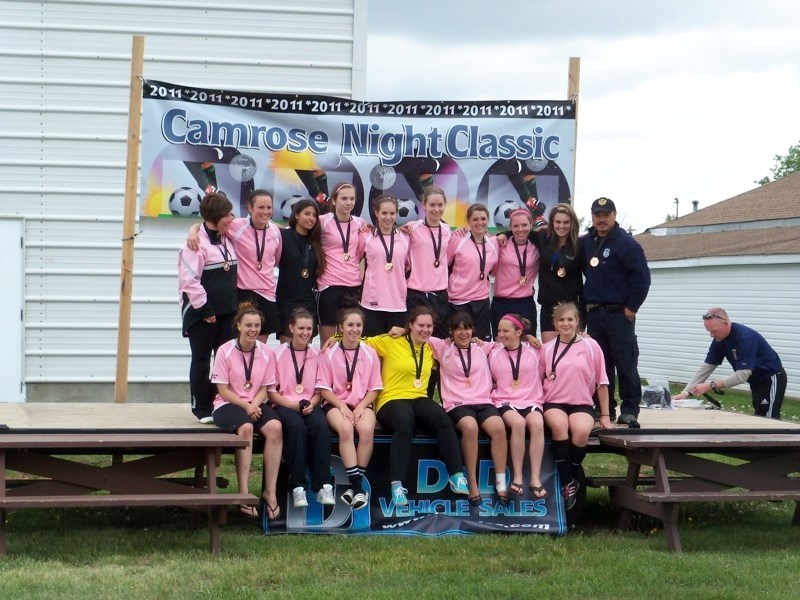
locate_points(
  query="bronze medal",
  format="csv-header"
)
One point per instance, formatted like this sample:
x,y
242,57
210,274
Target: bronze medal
x,y
562,272
258,266
468,381
523,280
388,267
552,376
349,386
345,257
304,273
595,261
418,383
248,386
482,276
436,263
515,384
226,266
298,389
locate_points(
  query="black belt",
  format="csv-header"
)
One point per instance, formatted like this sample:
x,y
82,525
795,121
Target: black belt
x,y
605,306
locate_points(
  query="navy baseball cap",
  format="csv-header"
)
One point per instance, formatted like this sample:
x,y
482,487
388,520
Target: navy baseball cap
x,y
603,205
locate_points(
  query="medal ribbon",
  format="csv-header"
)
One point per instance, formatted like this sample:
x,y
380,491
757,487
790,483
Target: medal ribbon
x,y
597,245
465,365
248,369
390,250
481,257
515,368
349,368
226,255
436,249
345,240
418,365
563,352
259,250
298,373
522,261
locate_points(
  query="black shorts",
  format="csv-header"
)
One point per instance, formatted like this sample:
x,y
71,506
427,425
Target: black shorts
x,y
271,322
334,298
285,310
570,409
481,316
230,417
377,322
523,412
524,307
479,412
437,301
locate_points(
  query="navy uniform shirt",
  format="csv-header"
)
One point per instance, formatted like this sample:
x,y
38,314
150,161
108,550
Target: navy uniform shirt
x,y
745,348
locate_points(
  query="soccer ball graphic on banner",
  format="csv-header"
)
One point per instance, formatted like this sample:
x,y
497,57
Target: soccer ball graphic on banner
x,y
502,213
185,202
287,204
407,211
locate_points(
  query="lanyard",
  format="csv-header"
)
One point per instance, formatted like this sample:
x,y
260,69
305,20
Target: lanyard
x,y
298,372
350,368
226,256
515,367
305,272
436,249
259,249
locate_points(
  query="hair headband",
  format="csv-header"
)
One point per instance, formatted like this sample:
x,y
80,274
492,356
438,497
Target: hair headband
x,y
514,320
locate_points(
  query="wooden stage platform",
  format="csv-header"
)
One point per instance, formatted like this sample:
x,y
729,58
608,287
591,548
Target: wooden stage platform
x,y
143,417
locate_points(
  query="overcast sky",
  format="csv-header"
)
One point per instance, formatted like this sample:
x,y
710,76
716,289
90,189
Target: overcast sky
x,y
687,98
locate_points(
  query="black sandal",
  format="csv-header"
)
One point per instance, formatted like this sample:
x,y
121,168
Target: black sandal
x,y
515,488
475,500
538,491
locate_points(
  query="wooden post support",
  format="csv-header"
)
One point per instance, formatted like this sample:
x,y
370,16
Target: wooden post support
x,y
573,92
129,220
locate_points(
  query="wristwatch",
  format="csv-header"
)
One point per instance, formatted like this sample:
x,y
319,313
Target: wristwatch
x,y
714,385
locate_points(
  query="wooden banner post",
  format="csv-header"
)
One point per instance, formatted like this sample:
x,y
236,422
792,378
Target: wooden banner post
x,y
129,220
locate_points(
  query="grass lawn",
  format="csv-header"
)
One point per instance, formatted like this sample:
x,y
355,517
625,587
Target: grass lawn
x,y
741,550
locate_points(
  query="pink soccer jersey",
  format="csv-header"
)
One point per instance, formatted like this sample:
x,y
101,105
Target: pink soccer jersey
x,y
465,283
332,373
286,382
425,277
385,290
528,393
455,389
508,278
248,241
338,270
229,368
578,373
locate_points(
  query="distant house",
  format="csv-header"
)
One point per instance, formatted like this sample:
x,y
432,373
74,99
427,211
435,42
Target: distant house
x,y
742,254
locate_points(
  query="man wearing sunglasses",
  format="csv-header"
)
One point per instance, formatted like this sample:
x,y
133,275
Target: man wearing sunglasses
x,y
753,361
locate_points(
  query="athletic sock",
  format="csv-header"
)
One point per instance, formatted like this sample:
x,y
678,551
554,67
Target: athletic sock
x,y
561,455
577,454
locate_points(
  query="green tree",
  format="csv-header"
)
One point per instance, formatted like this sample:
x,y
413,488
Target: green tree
x,y
784,165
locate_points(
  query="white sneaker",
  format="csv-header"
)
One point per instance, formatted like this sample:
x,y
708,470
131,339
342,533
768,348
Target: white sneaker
x,y
209,420
325,495
360,500
299,497
348,496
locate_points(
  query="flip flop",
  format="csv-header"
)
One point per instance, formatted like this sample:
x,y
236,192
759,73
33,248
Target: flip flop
x,y
515,488
538,491
250,512
475,500
273,512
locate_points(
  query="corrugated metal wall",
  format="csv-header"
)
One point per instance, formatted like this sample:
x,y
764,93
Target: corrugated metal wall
x,y
760,292
64,72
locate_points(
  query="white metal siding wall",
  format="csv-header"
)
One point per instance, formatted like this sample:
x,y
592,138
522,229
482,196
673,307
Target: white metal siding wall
x,y
64,71
759,292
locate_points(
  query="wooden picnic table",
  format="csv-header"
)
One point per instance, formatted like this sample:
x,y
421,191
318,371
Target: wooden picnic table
x,y
62,479
691,468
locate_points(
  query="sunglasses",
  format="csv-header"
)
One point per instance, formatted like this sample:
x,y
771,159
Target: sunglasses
x,y
708,317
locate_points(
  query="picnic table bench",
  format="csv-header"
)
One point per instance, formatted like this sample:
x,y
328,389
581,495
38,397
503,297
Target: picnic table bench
x,y
692,468
62,480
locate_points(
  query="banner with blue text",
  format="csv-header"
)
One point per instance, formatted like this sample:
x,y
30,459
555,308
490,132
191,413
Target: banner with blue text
x,y
503,154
